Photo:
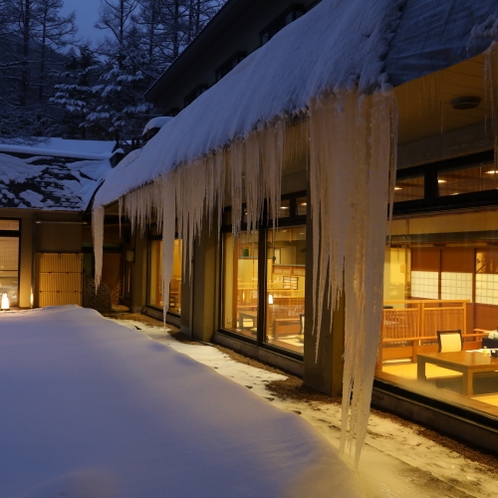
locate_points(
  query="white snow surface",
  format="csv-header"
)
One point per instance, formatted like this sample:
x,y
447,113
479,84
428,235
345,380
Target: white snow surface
x,y
91,408
62,147
398,460
49,183
157,122
279,79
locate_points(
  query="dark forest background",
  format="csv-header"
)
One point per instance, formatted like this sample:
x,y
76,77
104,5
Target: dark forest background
x,y
53,85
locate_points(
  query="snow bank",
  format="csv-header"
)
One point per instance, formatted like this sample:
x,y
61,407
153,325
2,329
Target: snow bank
x,y
61,147
92,408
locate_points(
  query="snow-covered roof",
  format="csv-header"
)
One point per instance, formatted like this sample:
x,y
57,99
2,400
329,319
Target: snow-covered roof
x,y
339,45
434,35
61,147
48,183
156,123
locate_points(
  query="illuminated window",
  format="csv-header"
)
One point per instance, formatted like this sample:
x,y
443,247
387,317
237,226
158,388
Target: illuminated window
x,y
263,279
240,265
463,181
155,276
409,189
286,273
9,260
441,273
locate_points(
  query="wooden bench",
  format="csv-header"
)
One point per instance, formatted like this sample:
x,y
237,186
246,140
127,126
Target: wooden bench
x,y
286,326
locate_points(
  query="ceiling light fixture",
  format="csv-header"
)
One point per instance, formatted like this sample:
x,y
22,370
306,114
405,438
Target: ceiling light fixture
x,y
464,103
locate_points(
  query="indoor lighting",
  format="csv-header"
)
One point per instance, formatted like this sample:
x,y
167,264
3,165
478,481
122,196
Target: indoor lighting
x,y
5,302
491,172
284,207
270,298
398,188
464,103
440,180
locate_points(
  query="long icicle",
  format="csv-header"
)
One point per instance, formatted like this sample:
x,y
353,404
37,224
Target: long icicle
x,y
98,216
350,155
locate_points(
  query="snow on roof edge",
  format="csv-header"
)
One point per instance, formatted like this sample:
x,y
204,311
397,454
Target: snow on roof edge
x,y
69,148
267,84
284,75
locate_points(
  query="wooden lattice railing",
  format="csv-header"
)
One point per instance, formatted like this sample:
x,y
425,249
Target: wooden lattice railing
x,y
410,327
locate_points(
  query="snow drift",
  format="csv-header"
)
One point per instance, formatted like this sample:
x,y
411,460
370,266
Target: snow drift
x,y
92,408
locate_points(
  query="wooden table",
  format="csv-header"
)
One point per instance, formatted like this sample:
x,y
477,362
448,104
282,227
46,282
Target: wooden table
x,y
466,362
249,315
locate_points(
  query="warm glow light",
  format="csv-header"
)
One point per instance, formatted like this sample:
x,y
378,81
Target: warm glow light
x,y
284,207
440,180
270,298
491,172
398,188
5,301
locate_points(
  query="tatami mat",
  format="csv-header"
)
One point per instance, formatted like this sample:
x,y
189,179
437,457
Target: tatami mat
x,y
409,371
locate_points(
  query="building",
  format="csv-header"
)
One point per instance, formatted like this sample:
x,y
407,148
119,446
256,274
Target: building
x,y
307,130
45,240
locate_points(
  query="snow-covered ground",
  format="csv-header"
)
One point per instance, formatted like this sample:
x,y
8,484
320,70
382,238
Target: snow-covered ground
x,y
92,408
396,461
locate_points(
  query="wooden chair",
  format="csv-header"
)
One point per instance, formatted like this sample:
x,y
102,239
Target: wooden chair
x,y
449,341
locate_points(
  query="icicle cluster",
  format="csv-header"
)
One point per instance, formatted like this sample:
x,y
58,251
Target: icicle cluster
x,y
98,216
352,144
351,140
251,170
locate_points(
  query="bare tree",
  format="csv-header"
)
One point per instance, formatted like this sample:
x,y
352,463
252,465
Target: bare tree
x,y
117,18
169,26
53,32
31,31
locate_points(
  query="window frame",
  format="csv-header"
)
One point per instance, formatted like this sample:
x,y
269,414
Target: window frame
x,y
432,201
15,234
266,225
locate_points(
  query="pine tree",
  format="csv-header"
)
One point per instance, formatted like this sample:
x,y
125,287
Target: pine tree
x,y
74,93
118,106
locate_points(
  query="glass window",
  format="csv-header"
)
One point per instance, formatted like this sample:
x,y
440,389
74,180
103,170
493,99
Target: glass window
x,y
175,286
302,206
240,269
271,311
409,189
9,260
442,276
463,181
155,272
286,272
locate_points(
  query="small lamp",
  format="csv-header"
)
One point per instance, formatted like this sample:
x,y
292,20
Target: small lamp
x,y
5,302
